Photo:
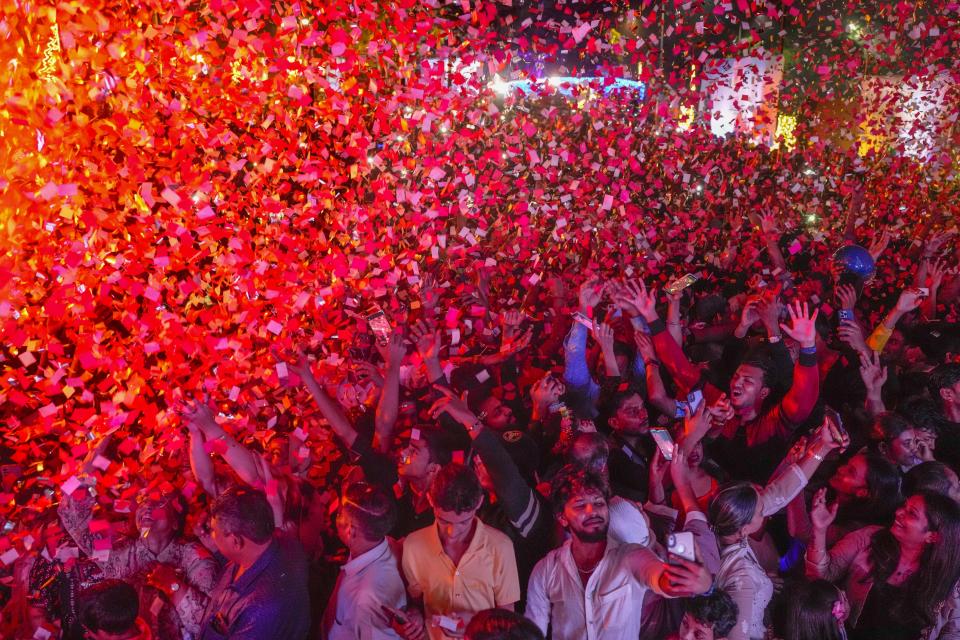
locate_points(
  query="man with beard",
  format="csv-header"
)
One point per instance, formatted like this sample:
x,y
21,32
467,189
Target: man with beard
x,y
758,426
597,583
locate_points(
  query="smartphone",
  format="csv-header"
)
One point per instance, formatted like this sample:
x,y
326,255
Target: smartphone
x,y
380,326
694,398
681,283
582,319
845,315
923,291
664,442
834,418
680,544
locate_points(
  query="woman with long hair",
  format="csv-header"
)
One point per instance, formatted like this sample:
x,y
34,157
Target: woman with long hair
x,y
815,610
738,510
901,580
866,489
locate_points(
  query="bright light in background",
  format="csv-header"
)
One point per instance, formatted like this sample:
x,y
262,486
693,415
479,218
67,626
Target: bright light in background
x,y
687,115
499,86
786,125
554,81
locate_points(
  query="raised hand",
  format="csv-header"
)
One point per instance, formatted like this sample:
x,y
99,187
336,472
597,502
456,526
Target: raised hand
x,y
768,224
827,438
821,515
603,334
302,368
427,340
696,424
803,325
749,316
936,241
721,411
545,392
851,335
909,300
847,296
368,372
644,346
879,245
683,579
768,309
455,407
396,350
635,300
938,269
590,294
429,295
198,414
873,373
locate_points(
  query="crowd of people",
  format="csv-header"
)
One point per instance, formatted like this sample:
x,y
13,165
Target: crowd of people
x,y
444,364
766,448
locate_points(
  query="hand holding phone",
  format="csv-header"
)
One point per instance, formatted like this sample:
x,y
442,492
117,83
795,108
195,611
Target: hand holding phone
x,y
664,442
680,544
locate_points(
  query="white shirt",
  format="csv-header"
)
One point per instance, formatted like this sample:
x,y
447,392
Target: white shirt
x,y
628,522
370,580
610,606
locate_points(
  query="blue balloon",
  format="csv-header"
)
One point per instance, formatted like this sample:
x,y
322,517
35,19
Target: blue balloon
x,y
856,260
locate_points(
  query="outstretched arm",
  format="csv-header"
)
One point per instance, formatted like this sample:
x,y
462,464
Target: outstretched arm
x,y
328,407
237,456
389,404
802,396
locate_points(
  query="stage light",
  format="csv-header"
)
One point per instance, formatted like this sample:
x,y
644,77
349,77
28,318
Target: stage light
x,y
499,86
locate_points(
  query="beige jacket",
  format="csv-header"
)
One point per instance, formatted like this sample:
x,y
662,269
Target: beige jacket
x,y
849,560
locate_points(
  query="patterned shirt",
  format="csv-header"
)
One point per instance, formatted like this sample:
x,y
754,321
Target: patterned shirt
x,y
132,560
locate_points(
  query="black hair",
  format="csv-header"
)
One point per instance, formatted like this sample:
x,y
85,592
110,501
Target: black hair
x,y
244,512
888,426
500,624
733,507
373,510
622,395
924,412
455,488
599,451
883,493
110,606
440,444
572,480
939,565
929,476
717,610
808,613
946,375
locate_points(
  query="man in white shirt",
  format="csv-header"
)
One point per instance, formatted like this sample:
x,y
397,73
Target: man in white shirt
x,y
626,519
369,585
592,586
